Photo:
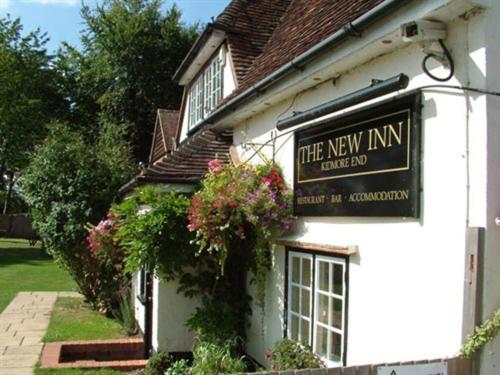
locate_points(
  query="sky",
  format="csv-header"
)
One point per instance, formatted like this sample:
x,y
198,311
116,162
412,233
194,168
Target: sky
x,y
61,18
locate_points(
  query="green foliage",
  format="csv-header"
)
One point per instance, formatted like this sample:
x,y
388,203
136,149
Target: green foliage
x,y
243,202
16,205
125,314
29,94
105,277
212,359
67,185
290,355
180,367
214,322
156,238
158,364
485,333
131,49
73,319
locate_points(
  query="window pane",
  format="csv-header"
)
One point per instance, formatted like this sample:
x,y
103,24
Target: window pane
x,y
321,341
338,282
336,343
306,298
306,272
304,332
322,308
324,276
296,270
337,313
294,328
295,299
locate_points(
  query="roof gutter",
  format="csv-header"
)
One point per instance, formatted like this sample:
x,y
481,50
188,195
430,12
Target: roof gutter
x,y
354,28
193,52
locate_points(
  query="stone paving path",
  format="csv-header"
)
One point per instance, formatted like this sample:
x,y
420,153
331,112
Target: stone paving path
x,y
22,326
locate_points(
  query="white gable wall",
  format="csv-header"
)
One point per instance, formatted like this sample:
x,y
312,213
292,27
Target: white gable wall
x,y
228,86
406,281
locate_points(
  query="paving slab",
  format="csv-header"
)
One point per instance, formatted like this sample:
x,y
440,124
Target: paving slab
x,y
18,361
23,350
23,324
17,371
11,341
31,340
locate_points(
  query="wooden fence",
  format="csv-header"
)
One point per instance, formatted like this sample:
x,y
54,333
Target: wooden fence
x,y
456,366
17,226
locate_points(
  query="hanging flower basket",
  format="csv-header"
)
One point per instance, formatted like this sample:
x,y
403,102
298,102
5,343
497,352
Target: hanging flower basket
x,y
236,200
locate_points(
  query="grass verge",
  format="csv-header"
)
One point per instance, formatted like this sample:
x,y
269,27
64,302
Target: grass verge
x,y
39,371
24,269
73,319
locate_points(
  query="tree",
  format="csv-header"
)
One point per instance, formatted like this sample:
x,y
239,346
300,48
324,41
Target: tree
x,y
30,97
71,183
131,51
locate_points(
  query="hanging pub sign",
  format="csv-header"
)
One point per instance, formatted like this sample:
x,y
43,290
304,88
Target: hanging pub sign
x,y
362,164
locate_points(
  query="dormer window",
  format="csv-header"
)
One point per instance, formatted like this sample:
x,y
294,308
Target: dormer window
x,y
206,91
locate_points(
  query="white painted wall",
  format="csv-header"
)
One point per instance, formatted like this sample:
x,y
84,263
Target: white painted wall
x,y
228,86
406,281
139,308
170,313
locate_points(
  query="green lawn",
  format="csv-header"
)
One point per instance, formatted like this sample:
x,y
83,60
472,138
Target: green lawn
x,y
72,319
25,269
39,371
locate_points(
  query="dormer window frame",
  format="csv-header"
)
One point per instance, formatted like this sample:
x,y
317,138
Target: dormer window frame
x,y
207,88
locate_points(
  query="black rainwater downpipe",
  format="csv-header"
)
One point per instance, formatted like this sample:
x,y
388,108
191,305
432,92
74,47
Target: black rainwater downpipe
x,y
378,88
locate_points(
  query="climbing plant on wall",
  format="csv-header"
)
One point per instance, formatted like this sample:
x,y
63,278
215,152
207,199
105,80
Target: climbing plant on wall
x,y
153,232
241,203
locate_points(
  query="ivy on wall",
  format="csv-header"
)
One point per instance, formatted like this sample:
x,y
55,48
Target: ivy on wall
x,y
485,333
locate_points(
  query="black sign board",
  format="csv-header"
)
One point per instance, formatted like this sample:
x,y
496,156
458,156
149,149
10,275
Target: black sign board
x,y
362,164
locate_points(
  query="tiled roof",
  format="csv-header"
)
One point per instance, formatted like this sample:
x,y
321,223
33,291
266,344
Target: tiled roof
x,y
249,24
304,24
189,162
164,133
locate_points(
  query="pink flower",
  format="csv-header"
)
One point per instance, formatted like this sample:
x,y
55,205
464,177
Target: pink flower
x,y
215,166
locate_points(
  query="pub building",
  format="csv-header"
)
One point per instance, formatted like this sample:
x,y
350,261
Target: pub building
x,y
383,115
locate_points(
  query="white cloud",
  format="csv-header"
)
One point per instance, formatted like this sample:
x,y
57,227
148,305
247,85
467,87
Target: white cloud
x,y
70,3
5,4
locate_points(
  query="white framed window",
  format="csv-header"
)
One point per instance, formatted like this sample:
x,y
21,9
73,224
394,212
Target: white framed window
x,y
206,91
317,304
141,285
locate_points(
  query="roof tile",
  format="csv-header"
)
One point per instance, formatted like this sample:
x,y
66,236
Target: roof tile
x,y
164,133
304,24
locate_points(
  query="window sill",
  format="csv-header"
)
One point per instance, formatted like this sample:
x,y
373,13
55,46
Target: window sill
x,y
327,249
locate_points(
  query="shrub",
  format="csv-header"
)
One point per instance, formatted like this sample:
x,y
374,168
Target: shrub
x,y
156,239
125,314
158,364
214,322
181,367
108,280
290,355
68,184
212,359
